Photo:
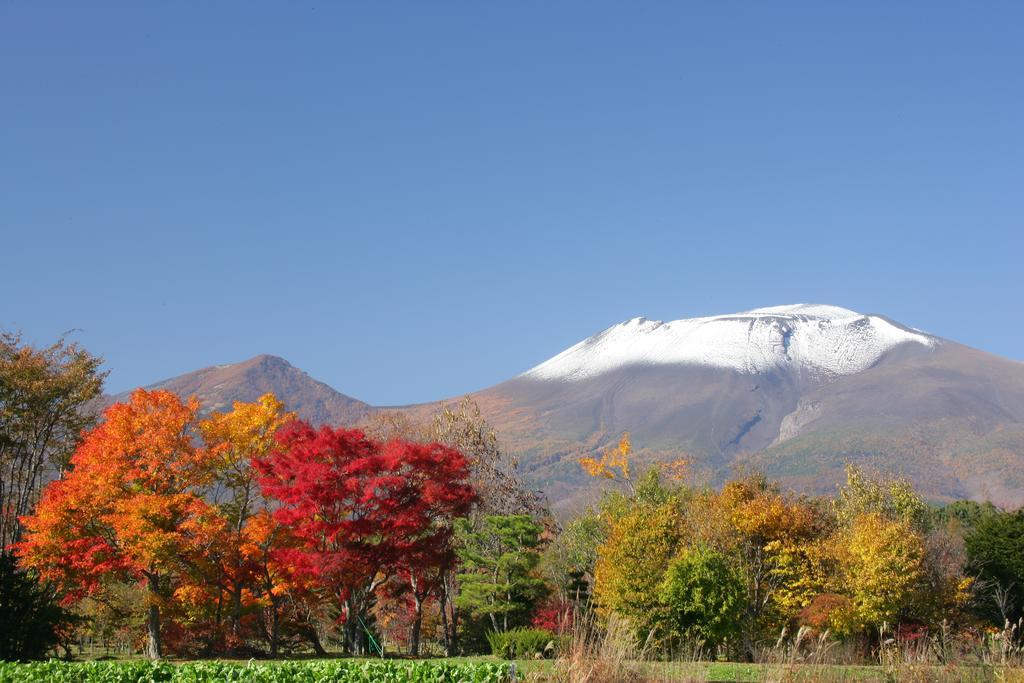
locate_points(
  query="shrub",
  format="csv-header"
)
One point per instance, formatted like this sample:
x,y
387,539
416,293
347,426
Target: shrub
x,y
822,610
523,643
554,615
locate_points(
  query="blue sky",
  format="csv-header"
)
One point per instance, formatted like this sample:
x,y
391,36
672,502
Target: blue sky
x,y
415,200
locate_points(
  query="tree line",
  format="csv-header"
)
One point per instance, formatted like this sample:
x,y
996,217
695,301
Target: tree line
x,y
250,532
730,570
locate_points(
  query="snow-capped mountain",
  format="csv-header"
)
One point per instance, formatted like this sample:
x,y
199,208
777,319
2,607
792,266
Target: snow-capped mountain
x,y
793,390
814,339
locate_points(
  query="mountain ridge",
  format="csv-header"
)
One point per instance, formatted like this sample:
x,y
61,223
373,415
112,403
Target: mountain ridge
x,y
794,390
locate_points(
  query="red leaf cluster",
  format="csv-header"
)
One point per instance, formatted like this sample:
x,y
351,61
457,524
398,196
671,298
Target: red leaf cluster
x,y
364,510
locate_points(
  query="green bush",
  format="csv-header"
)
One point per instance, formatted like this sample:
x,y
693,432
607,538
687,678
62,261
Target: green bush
x,y
703,597
335,671
523,643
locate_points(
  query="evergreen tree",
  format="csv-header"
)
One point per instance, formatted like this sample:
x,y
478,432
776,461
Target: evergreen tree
x,y
31,619
995,550
498,562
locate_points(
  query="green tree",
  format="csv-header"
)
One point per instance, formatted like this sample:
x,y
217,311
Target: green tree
x,y
703,597
995,550
498,561
44,393
963,514
31,620
648,491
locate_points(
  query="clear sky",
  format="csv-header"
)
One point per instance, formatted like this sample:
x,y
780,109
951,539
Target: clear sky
x,y
415,200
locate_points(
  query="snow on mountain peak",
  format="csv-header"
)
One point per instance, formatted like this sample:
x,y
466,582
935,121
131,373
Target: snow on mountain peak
x,y
815,310
818,339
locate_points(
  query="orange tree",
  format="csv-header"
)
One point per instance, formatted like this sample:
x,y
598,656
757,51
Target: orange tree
x,y
131,507
283,596
773,537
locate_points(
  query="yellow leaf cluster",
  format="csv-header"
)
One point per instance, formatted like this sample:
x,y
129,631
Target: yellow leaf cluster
x,y
613,463
778,538
246,432
678,469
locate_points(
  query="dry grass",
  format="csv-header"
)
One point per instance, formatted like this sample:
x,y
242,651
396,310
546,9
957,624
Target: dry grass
x,y
611,653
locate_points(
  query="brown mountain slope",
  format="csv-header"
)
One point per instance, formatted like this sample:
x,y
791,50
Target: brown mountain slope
x,y
219,385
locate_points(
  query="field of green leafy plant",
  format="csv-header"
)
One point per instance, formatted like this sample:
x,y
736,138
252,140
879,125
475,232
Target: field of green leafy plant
x,y
340,671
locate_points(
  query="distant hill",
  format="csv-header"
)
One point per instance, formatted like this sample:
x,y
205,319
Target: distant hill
x,y
219,385
795,391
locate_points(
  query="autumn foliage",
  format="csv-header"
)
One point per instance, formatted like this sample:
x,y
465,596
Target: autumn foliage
x,y
365,512
732,569
248,531
132,507
245,522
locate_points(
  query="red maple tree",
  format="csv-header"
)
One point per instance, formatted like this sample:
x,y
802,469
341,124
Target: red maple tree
x,y
364,511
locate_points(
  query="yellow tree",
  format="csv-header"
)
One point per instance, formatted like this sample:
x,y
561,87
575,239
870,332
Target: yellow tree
x,y
632,561
234,439
880,564
773,535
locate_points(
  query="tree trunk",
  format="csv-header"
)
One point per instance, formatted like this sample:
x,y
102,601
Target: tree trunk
x,y
445,628
358,646
351,628
417,625
454,626
314,640
153,629
275,628
236,614
504,618
450,620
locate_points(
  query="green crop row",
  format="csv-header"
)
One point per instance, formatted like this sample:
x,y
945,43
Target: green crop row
x,y
340,671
